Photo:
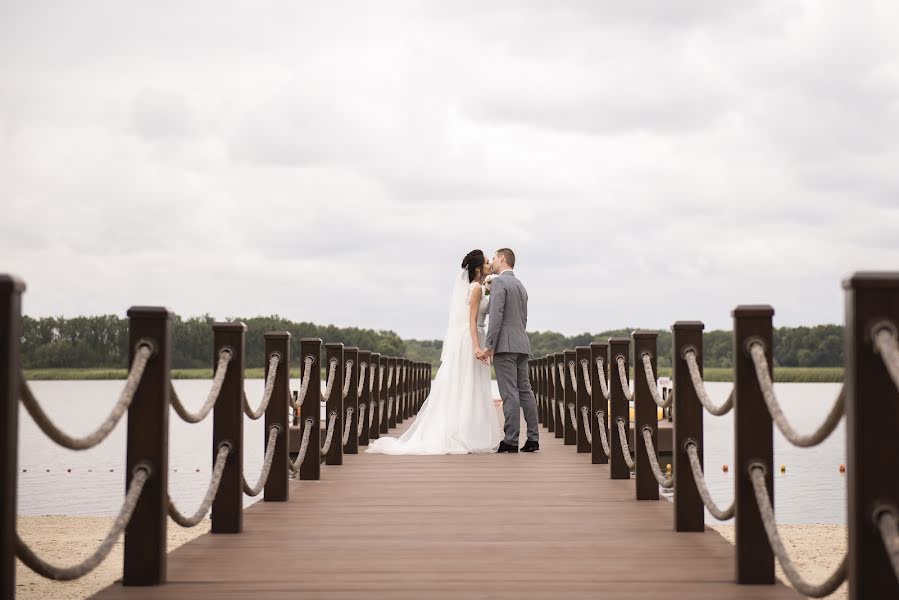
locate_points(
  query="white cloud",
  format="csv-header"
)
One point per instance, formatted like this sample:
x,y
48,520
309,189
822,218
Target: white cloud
x,y
648,161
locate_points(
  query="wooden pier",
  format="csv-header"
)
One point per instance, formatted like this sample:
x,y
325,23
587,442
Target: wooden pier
x,y
544,525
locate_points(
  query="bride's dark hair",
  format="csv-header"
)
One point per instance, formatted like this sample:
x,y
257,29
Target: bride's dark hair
x,y
473,261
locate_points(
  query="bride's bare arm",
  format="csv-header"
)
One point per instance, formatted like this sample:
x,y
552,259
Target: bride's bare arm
x,y
474,302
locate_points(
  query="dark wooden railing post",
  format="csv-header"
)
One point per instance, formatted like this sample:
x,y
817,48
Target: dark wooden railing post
x,y
334,405
227,426
400,399
872,414
407,388
385,416
538,390
559,359
598,401
393,364
277,413
148,443
416,381
550,389
583,398
571,430
351,400
311,409
620,408
645,414
365,397
374,431
753,442
689,512
11,290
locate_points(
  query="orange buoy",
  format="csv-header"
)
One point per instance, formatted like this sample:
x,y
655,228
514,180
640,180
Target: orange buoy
x,y
724,468
842,468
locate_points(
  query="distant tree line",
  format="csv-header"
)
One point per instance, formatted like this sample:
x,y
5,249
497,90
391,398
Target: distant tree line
x,y
102,342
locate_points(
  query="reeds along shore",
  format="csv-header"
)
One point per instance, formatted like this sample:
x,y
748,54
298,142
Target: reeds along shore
x,y
781,374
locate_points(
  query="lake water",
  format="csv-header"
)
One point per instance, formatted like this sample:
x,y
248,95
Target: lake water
x,y
59,481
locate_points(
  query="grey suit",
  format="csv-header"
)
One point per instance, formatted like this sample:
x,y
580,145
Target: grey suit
x,y
507,337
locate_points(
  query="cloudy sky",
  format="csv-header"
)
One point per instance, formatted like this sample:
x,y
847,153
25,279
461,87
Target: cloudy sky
x,y
648,161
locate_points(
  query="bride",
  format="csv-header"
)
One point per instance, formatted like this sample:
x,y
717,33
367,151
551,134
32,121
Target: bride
x,y
458,417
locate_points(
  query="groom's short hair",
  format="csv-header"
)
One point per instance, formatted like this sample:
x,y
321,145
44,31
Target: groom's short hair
x,y
507,254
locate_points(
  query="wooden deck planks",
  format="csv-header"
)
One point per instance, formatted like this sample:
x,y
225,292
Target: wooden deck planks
x,y
546,525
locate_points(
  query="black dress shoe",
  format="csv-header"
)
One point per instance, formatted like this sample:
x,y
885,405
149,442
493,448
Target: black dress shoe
x,y
504,447
530,446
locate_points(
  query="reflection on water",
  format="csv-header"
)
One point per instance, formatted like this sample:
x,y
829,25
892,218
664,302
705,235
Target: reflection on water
x,y
811,491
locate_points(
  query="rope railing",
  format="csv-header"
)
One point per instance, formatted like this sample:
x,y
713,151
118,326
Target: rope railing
x,y
622,378
295,465
304,383
757,351
360,423
141,356
371,378
601,418
572,414
603,384
561,375
699,386
814,590
572,374
332,423
273,433
587,383
651,383
211,490
381,410
722,514
887,346
585,413
346,426
363,369
214,392
666,482
625,449
347,378
371,412
139,477
390,376
273,362
887,523
329,382
561,405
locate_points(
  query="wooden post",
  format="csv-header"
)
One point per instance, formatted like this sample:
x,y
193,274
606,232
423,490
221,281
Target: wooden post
x,y
598,401
334,405
351,401
374,431
311,408
548,366
753,442
227,426
148,443
385,418
689,512
583,398
620,408
559,416
645,414
392,362
365,397
400,398
872,415
541,378
570,398
11,290
407,388
278,342
414,409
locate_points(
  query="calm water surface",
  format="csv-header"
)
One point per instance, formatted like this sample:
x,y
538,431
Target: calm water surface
x,y
811,491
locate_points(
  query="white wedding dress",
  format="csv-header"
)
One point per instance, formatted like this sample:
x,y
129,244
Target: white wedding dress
x,y
458,416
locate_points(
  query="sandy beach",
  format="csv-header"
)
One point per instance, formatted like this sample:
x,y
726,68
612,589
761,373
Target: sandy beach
x,y
816,550
66,540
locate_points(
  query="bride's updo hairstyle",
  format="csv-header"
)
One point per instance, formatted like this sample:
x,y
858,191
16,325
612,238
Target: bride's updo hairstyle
x,y
473,261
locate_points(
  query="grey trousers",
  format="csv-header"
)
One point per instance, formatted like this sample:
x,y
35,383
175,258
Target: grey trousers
x,y
515,390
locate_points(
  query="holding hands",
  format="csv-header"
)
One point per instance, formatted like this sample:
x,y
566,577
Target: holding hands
x,y
483,355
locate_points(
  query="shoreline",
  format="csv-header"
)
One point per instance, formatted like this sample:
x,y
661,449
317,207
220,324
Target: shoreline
x,y
66,540
781,374
816,551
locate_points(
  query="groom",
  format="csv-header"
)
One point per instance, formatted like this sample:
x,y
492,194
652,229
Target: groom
x,y
508,344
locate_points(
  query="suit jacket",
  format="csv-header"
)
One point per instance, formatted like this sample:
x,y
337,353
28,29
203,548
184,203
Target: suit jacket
x,y
507,330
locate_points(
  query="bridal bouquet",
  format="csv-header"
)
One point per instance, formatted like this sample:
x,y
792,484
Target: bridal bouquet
x,y
487,281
